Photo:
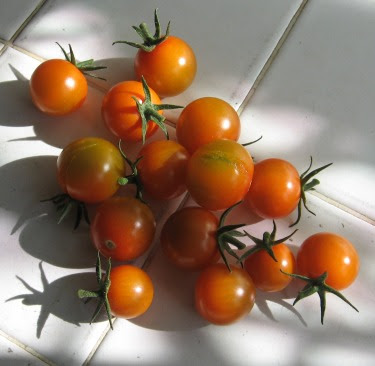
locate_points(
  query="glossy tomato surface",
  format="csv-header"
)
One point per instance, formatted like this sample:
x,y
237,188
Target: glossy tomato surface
x,y
162,169
265,272
205,120
57,87
120,113
188,238
219,174
275,189
331,253
88,169
223,297
169,69
131,291
123,228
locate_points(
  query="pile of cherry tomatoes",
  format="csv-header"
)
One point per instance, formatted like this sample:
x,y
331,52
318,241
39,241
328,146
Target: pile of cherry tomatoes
x,y
207,162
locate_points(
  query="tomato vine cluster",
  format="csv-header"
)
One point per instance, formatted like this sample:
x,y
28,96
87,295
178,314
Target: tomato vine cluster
x,y
207,162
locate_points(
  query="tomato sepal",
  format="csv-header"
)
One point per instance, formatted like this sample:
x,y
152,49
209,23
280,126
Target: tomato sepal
x,y
317,285
149,41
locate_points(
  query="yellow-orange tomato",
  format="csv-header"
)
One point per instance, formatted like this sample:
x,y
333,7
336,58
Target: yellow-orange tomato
x,y
205,120
331,253
57,87
219,174
162,169
223,297
265,272
131,291
120,113
169,68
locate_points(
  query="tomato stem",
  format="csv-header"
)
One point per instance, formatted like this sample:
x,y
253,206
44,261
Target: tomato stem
x,y
149,41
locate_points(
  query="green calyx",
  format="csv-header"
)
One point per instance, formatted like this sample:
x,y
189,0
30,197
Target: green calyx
x,y
266,243
101,293
308,184
317,285
133,177
149,111
149,41
84,66
227,235
65,204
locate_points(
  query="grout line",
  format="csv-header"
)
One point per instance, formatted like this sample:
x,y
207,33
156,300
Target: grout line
x,y
272,57
27,348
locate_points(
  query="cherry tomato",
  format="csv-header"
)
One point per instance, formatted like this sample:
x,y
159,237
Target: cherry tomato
x,y
223,297
265,272
123,228
205,120
131,291
120,113
162,169
275,190
188,238
57,87
219,174
331,253
169,68
88,169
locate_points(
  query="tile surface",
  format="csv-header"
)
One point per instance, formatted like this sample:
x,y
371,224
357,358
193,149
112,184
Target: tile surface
x,y
317,99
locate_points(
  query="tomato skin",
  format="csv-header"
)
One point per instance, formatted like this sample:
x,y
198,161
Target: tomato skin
x,y
207,119
169,69
265,272
275,189
162,169
123,228
219,174
223,297
131,291
88,169
57,87
120,112
188,238
331,253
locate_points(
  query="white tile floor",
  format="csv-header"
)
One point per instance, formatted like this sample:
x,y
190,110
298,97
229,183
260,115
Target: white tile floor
x,y
311,94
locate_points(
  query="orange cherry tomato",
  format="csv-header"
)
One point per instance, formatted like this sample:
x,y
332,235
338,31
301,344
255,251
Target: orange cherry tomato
x,y
188,238
57,87
223,297
265,272
219,174
275,190
88,169
131,291
205,120
120,113
123,228
162,169
169,68
331,253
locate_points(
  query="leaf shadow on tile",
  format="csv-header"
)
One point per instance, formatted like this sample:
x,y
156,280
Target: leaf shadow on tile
x,y
59,298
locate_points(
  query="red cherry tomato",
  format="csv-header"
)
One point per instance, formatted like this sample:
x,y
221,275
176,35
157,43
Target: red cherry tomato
x,y
275,190
57,87
188,238
123,228
219,174
169,68
131,291
162,169
205,120
223,297
88,169
265,272
331,253
120,113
